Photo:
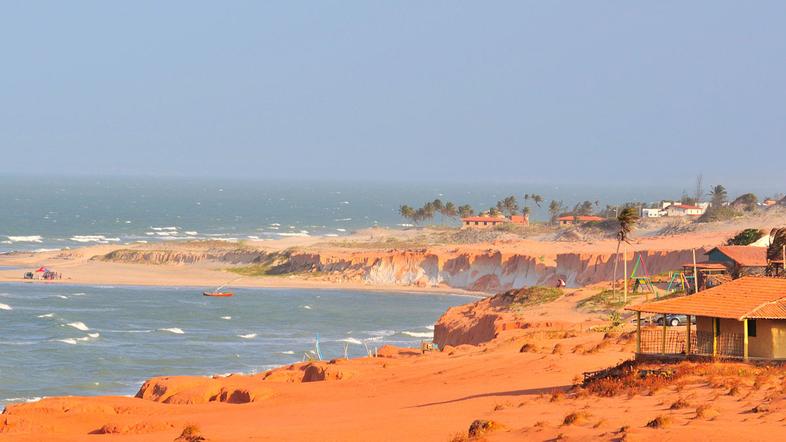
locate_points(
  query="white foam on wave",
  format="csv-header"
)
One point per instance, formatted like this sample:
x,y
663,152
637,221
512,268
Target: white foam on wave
x,y
101,239
226,317
418,334
343,219
307,307
93,335
70,341
21,399
351,341
165,228
47,315
62,296
331,235
5,307
44,250
78,294
430,327
287,352
248,336
28,238
174,330
301,234
191,232
341,230
78,325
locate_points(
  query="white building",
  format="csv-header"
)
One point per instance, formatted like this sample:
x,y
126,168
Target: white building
x,y
650,213
684,210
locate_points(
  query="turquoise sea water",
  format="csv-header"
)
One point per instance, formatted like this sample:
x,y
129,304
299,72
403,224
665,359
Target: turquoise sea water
x,y
88,340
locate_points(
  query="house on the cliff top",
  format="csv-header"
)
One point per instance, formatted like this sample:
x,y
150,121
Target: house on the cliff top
x,y
570,220
740,260
486,221
744,318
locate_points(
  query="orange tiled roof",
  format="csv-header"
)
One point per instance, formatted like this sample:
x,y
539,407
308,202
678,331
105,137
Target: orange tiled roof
x,y
747,297
746,256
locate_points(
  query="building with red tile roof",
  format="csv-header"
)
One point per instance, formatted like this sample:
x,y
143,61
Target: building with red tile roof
x,y
744,318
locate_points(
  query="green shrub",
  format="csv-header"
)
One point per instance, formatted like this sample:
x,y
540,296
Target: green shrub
x,y
746,237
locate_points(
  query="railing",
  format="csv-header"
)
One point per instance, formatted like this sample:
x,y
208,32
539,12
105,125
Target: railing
x,y
652,340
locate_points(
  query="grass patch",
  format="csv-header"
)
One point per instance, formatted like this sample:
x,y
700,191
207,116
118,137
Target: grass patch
x,y
604,300
530,296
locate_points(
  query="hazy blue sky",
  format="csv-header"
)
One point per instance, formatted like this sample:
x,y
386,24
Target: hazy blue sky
x,y
547,91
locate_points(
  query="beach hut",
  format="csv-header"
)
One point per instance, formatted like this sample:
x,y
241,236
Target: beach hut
x,y
740,260
744,318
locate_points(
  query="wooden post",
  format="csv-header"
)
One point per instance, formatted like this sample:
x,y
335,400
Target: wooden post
x,y
687,344
783,257
625,274
638,332
663,338
745,339
695,273
714,337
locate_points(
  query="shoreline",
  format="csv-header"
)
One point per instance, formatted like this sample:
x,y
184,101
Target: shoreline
x,y
295,285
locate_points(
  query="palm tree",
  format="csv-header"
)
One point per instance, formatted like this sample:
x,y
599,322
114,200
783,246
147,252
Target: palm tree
x,y
555,208
718,196
627,221
537,199
526,211
775,249
465,211
449,210
438,206
407,212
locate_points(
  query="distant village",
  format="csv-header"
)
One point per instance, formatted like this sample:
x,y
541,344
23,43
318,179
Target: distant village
x,y
507,211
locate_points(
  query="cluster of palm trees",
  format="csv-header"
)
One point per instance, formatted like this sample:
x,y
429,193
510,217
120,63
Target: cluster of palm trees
x,y
507,206
431,208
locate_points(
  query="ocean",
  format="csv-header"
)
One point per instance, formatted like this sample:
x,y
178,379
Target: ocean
x,y
87,340
55,213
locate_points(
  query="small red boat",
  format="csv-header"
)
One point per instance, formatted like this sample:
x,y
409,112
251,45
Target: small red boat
x,y
218,294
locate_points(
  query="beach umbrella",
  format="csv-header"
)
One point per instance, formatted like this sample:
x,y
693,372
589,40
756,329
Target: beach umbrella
x,y
42,269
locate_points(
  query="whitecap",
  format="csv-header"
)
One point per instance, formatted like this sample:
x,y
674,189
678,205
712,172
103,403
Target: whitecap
x,y
62,296
21,399
78,294
101,239
226,317
418,334
44,250
191,232
5,307
248,336
331,235
71,341
307,307
344,202
341,230
47,315
430,327
293,234
351,341
174,330
93,335
287,352
78,325
28,238
343,219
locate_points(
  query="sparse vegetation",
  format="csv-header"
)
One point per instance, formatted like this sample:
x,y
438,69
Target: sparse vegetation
x,y
530,296
603,300
659,422
745,237
576,418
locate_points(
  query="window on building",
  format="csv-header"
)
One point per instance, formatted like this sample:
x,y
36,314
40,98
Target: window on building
x,y
752,328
